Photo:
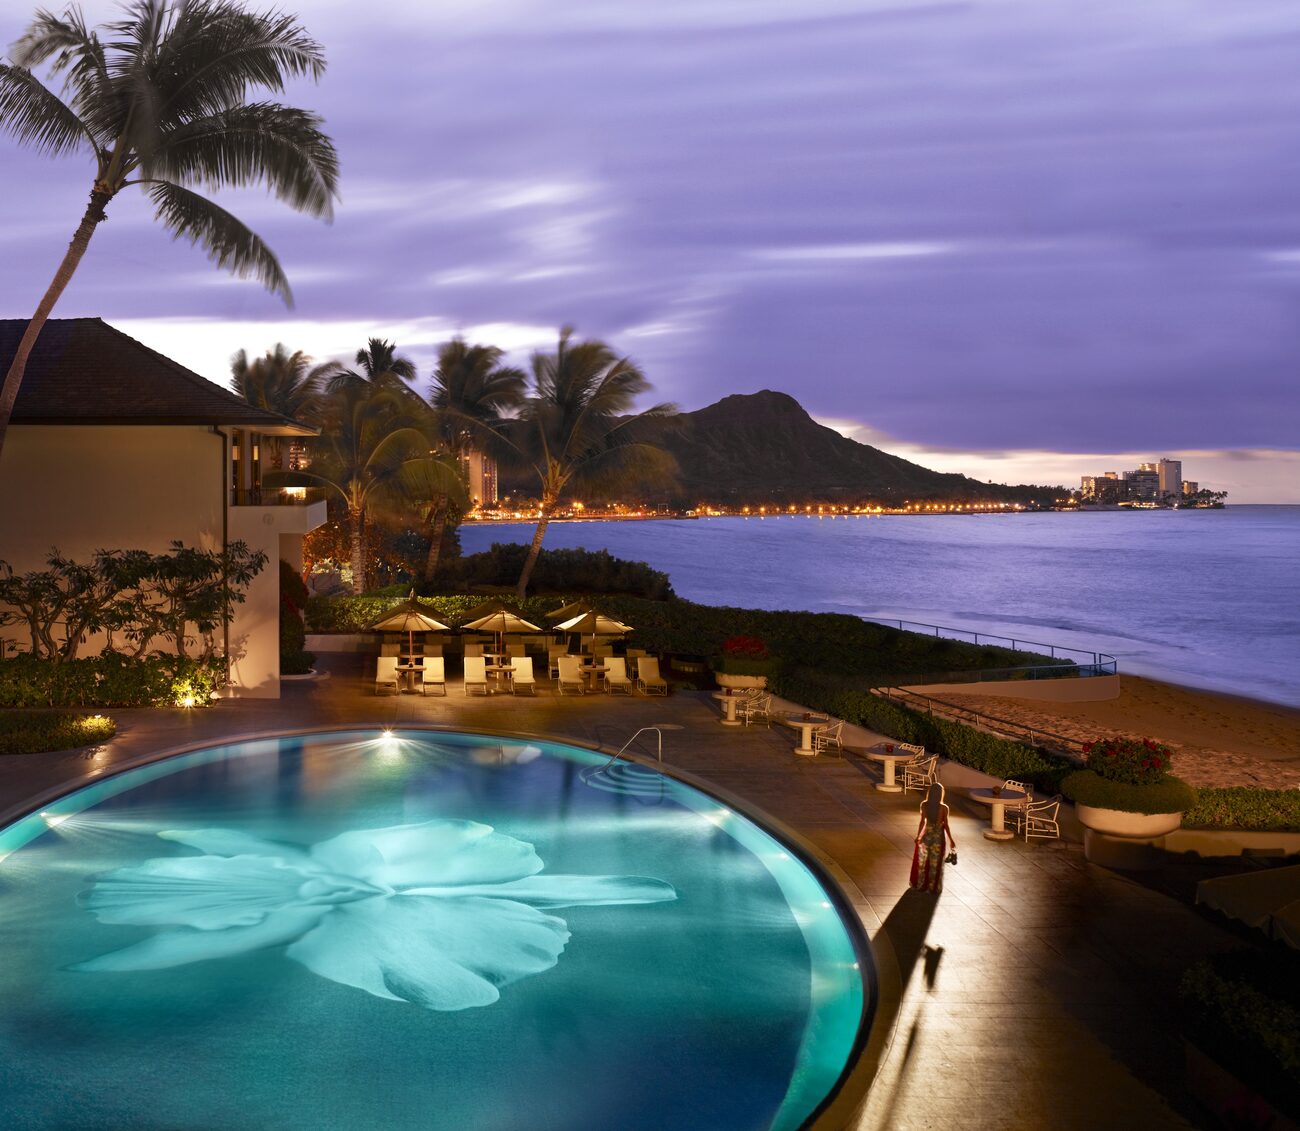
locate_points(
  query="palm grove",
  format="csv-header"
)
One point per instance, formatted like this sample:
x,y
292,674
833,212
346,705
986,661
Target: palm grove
x,y
171,98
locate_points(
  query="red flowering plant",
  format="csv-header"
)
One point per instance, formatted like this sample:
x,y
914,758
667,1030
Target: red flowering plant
x,y
1131,761
745,655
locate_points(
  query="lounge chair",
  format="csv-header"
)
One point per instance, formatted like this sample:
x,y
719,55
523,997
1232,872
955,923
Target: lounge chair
x,y
648,679
570,675
433,672
475,674
521,674
386,674
616,675
554,652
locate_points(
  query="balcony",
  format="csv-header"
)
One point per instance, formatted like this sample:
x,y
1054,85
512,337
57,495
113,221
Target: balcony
x,y
277,496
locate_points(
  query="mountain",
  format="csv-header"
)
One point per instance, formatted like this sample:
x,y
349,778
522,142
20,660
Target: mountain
x,y
764,448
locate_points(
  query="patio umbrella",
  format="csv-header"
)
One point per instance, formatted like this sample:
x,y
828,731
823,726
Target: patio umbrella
x,y
1268,899
500,622
597,624
410,618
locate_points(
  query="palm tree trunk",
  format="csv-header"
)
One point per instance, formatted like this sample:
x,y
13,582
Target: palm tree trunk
x,y
437,527
358,551
62,277
533,551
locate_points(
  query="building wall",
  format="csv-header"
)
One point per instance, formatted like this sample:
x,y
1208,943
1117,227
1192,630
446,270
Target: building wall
x,y
84,488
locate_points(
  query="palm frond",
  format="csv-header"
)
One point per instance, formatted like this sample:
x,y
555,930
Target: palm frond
x,y
280,146
36,116
227,240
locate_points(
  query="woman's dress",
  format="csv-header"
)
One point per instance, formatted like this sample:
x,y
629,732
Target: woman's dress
x,y
927,859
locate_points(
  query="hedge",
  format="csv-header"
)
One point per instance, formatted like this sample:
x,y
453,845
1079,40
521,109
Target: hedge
x,y
1259,810
987,753
559,571
109,680
1242,1009
37,732
1087,787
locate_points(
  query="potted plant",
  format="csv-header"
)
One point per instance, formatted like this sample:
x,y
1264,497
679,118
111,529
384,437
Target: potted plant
x,y
745,662
1127,789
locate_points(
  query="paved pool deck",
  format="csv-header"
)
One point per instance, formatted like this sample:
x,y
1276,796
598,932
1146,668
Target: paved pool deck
x,y
1037,991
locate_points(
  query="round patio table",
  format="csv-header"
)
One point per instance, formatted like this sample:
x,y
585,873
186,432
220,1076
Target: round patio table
x,y
890,758
999,802
805,725
728,708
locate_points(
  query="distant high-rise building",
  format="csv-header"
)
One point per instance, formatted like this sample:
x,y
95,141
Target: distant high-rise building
x,y
481,473
1170,472
1143,483
1190,486
1088,486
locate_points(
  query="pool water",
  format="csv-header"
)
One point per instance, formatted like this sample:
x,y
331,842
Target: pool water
x,y
431,930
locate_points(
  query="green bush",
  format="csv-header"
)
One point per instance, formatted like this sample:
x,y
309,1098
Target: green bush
x,y
294,659
1242,1009
35,732
560,571
109,680
1260,810
1087,787
987,753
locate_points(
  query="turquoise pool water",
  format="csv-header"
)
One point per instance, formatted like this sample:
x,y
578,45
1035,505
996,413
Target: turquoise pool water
x,y
432,930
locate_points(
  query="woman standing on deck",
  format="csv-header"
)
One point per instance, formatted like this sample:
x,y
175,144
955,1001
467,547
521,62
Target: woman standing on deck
x,y
933,841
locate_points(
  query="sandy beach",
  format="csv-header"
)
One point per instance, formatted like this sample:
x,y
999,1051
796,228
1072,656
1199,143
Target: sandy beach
x,y
1219,740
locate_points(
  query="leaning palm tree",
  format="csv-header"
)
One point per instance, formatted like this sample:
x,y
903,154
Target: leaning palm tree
x,y
472,394
577,427
374,455
164,102
281,382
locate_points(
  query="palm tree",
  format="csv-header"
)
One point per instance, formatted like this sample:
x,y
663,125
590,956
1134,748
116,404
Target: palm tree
x,y
471,394
379,365
163,102
281,382
375,455
578,427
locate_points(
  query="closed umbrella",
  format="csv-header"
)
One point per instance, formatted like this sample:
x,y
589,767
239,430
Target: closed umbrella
x,y
410,618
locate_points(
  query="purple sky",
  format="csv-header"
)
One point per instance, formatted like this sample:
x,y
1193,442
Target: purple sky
x,y
1020,238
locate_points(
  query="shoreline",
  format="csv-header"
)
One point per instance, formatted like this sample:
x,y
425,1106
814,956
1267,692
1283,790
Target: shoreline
x,y
1219,739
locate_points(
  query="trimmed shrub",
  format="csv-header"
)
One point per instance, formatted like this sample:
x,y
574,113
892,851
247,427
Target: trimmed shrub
x,y
294,659
1243,1010
36,732
109,680
1259,810
560,571
987,753
1087,787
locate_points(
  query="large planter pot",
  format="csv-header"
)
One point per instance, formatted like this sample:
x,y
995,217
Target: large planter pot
x,y
739,682
1116,822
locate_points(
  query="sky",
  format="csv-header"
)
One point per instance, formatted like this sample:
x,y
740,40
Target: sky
x,y
1021,239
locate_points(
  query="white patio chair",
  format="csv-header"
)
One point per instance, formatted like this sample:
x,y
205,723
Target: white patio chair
x,y
755,707
386,674
553,654
433,673
521,675
570,675
1015,814
919,773
1041,818
648,679
475,674
829,737
616,678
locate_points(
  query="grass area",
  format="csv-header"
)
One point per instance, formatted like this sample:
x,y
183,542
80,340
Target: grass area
x,y
36,732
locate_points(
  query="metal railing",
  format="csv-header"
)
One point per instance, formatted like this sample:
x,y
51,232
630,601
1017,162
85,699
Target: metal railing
x,y
1091,663
276,496
1005,728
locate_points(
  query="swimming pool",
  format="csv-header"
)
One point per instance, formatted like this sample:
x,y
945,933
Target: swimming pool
x,y
428,929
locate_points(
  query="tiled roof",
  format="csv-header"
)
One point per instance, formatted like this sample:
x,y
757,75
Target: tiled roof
x,y
83,371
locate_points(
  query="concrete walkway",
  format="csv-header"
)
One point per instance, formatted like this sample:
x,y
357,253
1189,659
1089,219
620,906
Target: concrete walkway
x,y
1038,991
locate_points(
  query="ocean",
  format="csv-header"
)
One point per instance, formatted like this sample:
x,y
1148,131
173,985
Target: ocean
x,y
1206,598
